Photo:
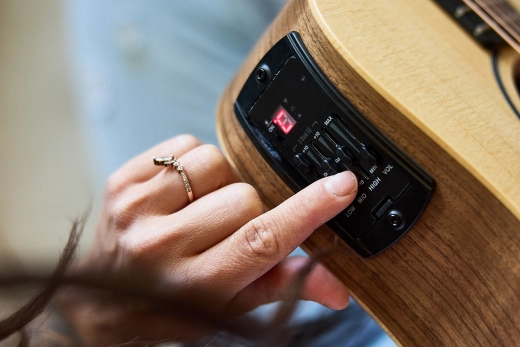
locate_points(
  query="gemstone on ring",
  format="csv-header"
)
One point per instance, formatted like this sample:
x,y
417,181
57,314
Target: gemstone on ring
x,y
171,161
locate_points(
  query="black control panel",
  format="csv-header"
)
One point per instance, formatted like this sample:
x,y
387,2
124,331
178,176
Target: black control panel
x,y
306,130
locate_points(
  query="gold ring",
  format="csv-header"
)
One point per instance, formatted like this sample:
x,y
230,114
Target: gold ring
x,y
172,162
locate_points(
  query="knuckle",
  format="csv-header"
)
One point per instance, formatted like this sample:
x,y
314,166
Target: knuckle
x,y
249,199
124,212
210,154
209,158
136,253
146,251
115,185
121,215
188,140
212,150
259,239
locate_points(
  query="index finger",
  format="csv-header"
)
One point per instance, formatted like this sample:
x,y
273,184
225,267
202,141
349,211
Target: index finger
x,y
141,168
266,240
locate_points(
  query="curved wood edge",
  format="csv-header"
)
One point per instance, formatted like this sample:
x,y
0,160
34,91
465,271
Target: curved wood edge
x,y
455,278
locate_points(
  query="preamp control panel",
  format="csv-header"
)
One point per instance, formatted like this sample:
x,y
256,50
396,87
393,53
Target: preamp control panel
x,y
307,130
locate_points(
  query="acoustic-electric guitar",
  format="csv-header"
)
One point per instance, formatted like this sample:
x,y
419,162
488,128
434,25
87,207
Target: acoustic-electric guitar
x,y
420,100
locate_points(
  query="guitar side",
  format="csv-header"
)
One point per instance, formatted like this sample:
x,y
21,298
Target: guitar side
x,y
455,278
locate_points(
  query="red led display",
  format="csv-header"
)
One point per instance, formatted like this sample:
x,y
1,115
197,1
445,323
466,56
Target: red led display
x,y
283,119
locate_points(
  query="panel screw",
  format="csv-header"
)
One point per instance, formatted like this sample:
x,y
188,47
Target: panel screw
x,y
394,220
262,74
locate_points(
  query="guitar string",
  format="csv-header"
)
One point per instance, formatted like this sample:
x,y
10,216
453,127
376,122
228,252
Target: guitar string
x,y
481,12
513,17
502,14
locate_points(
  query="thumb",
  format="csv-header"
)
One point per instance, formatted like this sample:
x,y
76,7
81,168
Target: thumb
x,y
319,286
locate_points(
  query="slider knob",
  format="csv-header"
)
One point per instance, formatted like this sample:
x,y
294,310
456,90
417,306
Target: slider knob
x,y
366,159
302,163
329,166
344,155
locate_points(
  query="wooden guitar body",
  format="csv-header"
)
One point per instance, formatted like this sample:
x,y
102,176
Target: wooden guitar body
x,y
454,279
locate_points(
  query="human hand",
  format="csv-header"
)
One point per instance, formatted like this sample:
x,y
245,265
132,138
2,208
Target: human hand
x,y
220,251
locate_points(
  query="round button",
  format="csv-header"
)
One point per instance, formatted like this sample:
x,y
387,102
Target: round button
x,y
262,74
394,219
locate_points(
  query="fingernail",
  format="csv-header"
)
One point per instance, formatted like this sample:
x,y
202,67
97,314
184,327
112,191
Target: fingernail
x,y
340,305
342,184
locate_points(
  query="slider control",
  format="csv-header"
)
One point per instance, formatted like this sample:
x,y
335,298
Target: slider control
x,y
344,155
366,159
302,163
329,167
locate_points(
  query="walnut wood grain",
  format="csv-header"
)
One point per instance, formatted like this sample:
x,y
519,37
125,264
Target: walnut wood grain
x,y
454,280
